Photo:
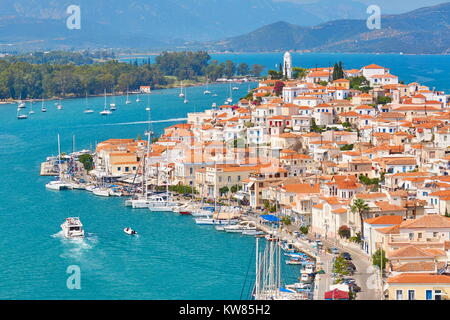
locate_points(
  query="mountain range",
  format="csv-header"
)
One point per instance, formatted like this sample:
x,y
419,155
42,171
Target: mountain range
x,y
261,25
421,31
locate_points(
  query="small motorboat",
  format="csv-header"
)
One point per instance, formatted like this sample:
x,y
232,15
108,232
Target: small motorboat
x,y
72,228
129,231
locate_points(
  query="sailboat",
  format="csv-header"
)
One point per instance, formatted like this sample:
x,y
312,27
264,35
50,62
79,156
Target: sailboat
x,y
21,104
87,109
137,99
112,106
163,203
105,112
58,184
181,95
230,99
128,101
21,116
206,91
143,201
43,109
185,98
31,108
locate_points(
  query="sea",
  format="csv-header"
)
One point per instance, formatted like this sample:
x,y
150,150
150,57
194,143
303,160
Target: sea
x,y
172,257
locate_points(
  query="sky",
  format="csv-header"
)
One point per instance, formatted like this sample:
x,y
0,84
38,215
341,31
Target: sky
x,y
387,6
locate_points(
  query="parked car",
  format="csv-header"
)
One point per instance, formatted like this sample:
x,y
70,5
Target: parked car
x,y
354,287
346,255
334,250
348,280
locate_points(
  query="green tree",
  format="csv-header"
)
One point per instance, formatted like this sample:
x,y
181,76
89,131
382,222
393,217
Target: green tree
x,y
87,161
224,190
299,73
304,229
360,83
384,100
359,206
243,69
286,221
379,259
257,69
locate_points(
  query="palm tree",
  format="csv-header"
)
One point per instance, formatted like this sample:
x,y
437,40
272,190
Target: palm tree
x,y
360,206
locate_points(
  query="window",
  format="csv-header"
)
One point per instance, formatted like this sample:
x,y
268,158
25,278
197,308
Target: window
x,y
429,295
238,178
127,169
119,168
437,295
229,178
411,295
399,294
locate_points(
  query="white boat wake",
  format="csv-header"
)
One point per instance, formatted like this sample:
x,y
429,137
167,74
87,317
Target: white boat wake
x,y
145,122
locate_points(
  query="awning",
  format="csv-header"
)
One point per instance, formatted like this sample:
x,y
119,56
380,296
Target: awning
x,y
270,218
336,295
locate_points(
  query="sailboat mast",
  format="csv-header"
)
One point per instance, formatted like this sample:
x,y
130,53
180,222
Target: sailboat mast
x,y
59,157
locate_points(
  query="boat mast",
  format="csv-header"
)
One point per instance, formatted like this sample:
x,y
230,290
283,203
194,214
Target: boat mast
x,y
59,157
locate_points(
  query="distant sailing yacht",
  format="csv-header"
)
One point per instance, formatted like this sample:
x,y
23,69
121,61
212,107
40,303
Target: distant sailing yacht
x,y
105,112
21,104
21,116
230,99
137,99
112,105
128,101
87,109
31,108
206,91
181,95
185,98
43,109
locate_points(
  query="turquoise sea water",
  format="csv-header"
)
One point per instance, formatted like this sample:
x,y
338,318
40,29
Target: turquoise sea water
x,y
172,258
430,70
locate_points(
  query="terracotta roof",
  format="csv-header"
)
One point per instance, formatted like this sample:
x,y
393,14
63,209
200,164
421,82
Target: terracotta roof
x,y
428,221
386,206
420,278
410,252
391,219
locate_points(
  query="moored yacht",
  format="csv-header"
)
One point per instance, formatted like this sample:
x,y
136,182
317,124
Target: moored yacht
x,y
160,203
72,228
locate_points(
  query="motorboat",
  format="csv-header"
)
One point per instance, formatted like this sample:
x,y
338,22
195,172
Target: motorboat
x,y
252,233
160,203
129,231
240,227
212,221
58,185
88,110
101,192
138,203
72,228
59,106
294,261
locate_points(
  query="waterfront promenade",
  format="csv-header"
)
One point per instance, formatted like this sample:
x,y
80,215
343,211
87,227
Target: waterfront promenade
x,y
365,278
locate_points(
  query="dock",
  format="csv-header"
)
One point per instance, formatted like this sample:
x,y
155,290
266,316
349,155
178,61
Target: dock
x,y
47,169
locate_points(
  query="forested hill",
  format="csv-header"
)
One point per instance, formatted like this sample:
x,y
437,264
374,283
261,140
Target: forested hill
x,y
19,78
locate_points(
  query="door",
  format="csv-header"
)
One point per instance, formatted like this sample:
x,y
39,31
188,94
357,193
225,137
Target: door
x,y
429,295
399,294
